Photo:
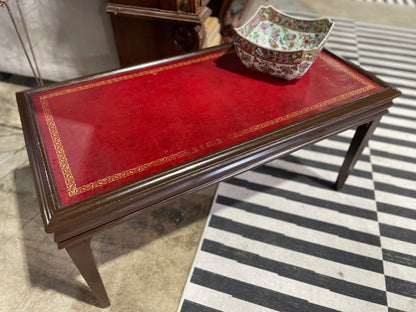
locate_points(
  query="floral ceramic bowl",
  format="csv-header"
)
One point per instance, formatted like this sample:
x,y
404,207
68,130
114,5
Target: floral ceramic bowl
x,y
280,45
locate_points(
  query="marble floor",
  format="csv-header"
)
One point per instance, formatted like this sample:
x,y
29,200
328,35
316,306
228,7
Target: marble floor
x,y
144,263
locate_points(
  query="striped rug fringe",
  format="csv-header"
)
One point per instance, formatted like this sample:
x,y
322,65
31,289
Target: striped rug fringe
x,y
279,238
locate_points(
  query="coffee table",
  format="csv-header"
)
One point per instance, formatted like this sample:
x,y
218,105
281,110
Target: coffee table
x,y
108,148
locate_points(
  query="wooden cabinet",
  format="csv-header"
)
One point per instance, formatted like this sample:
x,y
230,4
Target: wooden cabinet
x,y
151,29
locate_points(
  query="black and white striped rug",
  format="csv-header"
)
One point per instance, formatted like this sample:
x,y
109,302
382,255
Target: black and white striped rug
x,y
280,238
411,3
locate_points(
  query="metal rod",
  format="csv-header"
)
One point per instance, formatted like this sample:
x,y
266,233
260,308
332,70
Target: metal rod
x,y
38,79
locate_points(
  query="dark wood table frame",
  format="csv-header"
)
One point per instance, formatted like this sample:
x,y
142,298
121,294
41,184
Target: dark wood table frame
x,y
123,203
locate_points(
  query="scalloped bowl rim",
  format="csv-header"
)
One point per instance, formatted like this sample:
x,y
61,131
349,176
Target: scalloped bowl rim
x,y
237,30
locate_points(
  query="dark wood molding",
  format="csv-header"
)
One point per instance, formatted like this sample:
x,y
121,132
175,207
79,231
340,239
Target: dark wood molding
x,y
74,224
142,195
157,14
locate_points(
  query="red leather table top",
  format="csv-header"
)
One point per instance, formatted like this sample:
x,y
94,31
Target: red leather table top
x,y
107,132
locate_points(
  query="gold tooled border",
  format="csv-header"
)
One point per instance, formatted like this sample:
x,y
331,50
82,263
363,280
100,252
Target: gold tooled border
x,y
69,179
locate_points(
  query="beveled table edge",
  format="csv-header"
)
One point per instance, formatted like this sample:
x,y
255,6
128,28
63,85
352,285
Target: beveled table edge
x,y
140,196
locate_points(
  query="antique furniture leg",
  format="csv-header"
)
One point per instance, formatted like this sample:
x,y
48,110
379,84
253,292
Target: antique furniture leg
x,y
81,254
82,194
359,141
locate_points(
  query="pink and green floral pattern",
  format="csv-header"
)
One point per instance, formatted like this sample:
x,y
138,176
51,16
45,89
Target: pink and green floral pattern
x,y
286,71
272,36
283,44
270,14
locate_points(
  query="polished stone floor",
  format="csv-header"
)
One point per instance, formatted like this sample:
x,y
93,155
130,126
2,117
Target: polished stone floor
x,y
144,263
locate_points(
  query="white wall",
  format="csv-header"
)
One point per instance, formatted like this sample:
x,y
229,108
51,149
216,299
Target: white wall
x,y
70,38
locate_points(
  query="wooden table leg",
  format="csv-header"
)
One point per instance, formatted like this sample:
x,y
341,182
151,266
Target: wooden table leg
x,y
81,254
359,141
